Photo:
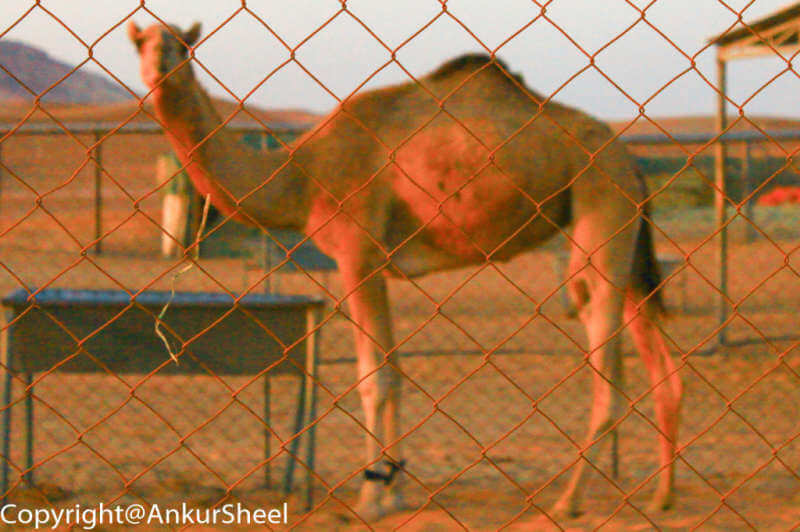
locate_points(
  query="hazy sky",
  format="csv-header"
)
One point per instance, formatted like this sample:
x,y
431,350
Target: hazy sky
x,y
343,54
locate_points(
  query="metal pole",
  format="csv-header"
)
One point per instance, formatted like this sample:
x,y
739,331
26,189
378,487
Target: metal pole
x,y
98,193
720,201
749,184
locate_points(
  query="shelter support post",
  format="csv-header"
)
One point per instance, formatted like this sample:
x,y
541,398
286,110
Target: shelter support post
x,y
720,200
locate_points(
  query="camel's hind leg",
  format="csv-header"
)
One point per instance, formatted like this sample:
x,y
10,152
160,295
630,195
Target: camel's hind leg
x,y
598,289
667,391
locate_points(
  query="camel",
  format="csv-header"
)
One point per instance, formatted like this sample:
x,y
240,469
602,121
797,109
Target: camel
x,y
422,177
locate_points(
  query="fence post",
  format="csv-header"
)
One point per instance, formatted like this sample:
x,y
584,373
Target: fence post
x,y
749,183
267,257
720,210
98,193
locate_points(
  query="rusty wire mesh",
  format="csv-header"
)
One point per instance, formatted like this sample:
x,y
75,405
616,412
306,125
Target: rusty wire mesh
x,y
496,385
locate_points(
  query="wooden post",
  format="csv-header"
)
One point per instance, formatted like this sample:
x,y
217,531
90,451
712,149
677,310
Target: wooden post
x,y
720,201
98,193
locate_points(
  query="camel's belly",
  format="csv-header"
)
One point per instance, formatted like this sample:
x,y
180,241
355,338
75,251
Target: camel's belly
x,y
468,207
442,244
415,258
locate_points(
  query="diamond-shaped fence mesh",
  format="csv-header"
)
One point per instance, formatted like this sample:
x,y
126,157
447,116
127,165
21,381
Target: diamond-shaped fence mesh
x,y
428,307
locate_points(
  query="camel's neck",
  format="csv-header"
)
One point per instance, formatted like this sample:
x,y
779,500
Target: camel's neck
x,y
221,165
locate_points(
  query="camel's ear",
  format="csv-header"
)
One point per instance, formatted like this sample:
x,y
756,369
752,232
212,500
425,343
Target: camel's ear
x,y
191,35
134,33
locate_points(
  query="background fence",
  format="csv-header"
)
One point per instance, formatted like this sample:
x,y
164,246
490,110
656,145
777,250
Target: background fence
x,y
80,210
753,170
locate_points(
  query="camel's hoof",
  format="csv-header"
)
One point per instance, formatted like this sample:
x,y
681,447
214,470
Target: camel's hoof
x,y
564,510
370,512
394,503
661,503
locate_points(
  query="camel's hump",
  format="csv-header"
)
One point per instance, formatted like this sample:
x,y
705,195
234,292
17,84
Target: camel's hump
x,y
470,62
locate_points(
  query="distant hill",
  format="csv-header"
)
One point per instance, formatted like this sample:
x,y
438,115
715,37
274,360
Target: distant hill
x,y
39,71
703,124
116,113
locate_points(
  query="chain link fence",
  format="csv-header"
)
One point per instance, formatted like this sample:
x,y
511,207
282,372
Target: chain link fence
x,y
487,352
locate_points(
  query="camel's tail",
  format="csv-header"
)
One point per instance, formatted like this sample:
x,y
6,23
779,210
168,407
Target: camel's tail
x,y
646,276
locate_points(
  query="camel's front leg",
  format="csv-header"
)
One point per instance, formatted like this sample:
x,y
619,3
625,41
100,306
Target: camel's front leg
x,y
379,387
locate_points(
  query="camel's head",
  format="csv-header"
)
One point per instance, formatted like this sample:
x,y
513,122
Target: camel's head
x,y
163,52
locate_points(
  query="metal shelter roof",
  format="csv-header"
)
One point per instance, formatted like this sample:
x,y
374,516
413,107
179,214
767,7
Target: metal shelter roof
x,y
779,31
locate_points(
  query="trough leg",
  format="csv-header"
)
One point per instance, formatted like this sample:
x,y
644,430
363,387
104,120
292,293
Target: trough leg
x,y
29,429
294,446
6,430
267,433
